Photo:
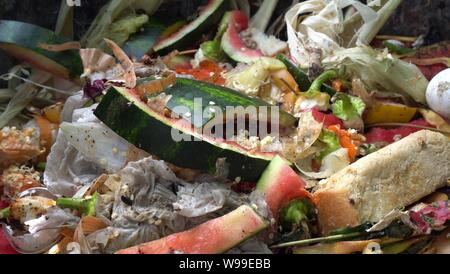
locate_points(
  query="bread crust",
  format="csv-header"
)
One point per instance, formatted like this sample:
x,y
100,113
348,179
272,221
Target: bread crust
x,y
393,177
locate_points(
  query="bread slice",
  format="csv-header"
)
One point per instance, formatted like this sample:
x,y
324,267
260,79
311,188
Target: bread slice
x,y
393,177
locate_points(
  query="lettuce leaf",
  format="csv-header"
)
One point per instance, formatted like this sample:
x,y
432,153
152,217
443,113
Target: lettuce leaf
x,y
347,107
331,141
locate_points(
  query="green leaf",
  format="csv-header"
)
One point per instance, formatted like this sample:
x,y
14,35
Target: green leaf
x,y
296,211
331,142
347,107
398,49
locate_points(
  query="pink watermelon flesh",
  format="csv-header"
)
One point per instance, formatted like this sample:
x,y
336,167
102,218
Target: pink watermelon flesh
x,y
281,185
212,237
38,61
389,136
326,119
232,43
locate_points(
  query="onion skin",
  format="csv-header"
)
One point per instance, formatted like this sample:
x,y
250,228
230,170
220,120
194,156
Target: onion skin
x,y
438,93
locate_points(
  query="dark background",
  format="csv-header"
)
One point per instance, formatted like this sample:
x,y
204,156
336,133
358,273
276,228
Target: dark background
x,y
413,18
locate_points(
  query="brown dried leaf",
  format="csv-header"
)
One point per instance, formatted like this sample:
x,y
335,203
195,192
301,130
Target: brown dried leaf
x,y
125,62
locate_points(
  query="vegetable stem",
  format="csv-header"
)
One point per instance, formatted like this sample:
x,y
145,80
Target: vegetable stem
x,y
319,81
4,213
85,206
321,239
408,125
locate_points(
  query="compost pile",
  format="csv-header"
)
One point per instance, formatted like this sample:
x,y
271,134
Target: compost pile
x,y
222,131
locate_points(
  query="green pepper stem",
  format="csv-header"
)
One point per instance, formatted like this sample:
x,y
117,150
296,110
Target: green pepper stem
x,y
85,206
4,213
295,211
319,81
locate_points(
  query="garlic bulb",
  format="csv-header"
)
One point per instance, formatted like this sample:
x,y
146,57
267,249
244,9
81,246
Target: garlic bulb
x,y
438,93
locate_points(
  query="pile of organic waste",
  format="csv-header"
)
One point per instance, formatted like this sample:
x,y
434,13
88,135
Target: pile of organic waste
x,y
233,130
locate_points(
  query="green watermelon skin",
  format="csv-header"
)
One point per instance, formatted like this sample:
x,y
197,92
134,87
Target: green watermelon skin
x,y
192,32
21,40
130,118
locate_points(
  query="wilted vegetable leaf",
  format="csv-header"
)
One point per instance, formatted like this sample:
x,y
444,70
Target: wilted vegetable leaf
x,y
331,140
347,107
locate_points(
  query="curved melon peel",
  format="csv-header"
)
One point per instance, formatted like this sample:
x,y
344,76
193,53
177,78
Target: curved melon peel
x,y
215,236
193,31
280,184
139,43
127,115
22,40
232,43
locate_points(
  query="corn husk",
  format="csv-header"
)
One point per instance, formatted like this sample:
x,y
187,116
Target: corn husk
x,y
319,24
262,17
112,12
380,71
